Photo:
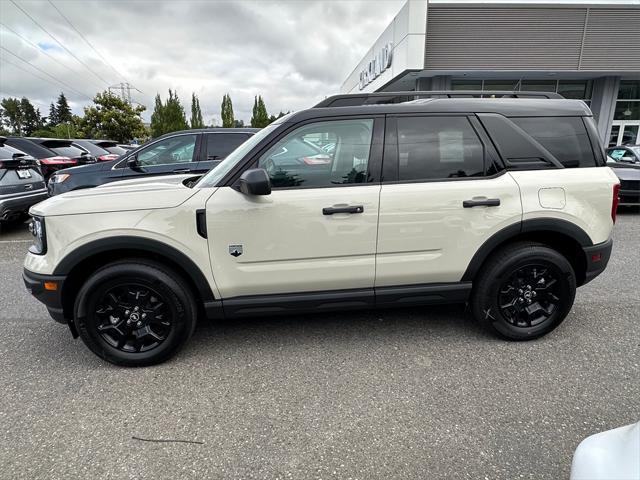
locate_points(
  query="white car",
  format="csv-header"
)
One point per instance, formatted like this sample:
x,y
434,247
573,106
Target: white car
x,y
505,203
614,454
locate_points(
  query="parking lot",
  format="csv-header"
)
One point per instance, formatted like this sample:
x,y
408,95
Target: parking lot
x,y
418,393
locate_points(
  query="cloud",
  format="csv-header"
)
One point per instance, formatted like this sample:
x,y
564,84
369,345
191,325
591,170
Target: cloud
x,y
293,53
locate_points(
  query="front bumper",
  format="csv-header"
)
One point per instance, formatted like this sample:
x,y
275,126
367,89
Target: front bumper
x,y
51,298
20,202
597,257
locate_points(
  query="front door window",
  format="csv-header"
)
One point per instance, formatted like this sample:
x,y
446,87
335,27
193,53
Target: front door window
x,y
178,149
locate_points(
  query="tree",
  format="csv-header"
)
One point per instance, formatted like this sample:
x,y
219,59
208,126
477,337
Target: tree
x,y
113,118
52,119
196,113
12,115
260,117
168,117
238,124
31,119
228,120
63,111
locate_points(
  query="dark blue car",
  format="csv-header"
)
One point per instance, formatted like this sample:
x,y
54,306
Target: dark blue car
x,y
187,151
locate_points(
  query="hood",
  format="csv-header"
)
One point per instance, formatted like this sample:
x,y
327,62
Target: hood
x,y
160,180
117,197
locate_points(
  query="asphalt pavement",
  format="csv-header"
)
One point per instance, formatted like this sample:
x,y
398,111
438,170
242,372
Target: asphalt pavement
x,y
417,393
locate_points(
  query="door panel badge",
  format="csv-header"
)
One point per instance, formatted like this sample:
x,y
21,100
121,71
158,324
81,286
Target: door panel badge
x,y
235,250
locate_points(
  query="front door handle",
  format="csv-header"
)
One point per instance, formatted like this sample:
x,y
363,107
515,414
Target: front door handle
x,y
481,202
343,209
182,170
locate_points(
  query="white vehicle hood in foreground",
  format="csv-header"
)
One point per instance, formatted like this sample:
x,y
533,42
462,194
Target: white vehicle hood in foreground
x,y
614,454
155,193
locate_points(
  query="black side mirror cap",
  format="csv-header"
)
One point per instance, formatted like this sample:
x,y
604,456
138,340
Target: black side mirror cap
x,y
132,163
255,182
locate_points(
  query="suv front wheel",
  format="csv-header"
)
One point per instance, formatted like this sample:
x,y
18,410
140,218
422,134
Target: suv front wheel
x,y
524,292
135,313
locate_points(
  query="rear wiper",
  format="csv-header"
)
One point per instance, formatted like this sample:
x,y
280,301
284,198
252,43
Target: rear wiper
x,y
18,155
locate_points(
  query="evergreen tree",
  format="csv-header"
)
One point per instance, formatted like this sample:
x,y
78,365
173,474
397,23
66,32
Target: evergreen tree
x,y
52,119
260,117
157,117
238,124
31,119
63,110
12,114
168,117
228,120
196,113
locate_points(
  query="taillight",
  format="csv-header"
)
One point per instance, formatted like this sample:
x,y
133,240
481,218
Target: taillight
x,y
58,161
108,157
615,201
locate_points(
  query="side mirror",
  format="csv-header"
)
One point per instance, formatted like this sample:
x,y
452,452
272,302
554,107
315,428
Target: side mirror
x,y
255,182
132,163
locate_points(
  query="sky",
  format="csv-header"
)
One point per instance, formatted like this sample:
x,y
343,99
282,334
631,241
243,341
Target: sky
x,y
293,53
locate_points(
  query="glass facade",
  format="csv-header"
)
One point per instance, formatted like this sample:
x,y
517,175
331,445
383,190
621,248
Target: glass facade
x,y
575,89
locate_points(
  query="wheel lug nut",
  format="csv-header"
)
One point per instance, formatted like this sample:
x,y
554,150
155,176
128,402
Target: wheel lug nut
x,y
144,315
139,324
136,308
126,312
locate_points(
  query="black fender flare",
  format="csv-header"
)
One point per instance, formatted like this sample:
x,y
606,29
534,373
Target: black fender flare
x,y
74,258
554,225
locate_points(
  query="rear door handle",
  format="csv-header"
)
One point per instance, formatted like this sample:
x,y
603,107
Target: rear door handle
x,y
182,170
343,209
481,202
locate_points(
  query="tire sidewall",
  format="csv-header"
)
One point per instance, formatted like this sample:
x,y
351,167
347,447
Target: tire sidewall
x,y
178,301
488,300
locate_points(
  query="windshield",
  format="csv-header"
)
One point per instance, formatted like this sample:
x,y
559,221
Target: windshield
x,y
214,176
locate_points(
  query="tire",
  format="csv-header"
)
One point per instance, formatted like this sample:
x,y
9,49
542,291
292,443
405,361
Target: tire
x,y
135,313
524,291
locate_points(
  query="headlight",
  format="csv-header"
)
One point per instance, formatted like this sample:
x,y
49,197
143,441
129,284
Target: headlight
x,y
36,227
59,177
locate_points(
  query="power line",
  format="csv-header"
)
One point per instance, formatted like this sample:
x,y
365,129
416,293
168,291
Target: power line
x,y
57,41
88,42
40,50
47,74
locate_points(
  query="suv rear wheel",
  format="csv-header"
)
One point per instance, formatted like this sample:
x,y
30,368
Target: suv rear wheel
x,y
135,313
524,292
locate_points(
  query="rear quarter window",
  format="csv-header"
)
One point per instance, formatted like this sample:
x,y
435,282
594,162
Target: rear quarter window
x,y
565,137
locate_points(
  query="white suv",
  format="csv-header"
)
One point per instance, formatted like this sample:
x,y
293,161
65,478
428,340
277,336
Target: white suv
x,y
505,203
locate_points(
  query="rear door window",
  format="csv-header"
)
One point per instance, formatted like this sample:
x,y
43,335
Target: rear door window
x,y
438,148
564,137
68,151
219,145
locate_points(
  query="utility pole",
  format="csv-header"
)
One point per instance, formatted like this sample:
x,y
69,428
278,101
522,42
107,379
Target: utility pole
x,y
125,91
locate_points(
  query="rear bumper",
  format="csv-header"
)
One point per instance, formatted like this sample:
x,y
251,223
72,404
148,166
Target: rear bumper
x,y
597,257
20,202
52,299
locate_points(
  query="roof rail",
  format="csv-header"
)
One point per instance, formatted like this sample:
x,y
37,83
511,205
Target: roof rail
x,y
356,99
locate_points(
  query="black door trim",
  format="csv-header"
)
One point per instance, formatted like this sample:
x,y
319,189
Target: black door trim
x,y
338,300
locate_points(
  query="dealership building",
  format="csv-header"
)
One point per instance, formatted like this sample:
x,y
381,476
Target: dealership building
x,y
587,50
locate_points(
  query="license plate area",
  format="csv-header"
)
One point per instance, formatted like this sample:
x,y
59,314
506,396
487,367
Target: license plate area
x,y
23,174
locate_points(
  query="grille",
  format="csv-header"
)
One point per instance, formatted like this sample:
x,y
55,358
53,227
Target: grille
x,y
629,184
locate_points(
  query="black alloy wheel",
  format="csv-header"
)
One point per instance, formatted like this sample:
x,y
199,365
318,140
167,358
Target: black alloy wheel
x,y
530,295
133,318
135,312
523,291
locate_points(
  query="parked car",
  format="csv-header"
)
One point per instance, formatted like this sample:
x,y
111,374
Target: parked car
x,y
614,454
103,150
446,200
21,183
53,154
187,151
629,175
127,146
625,153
